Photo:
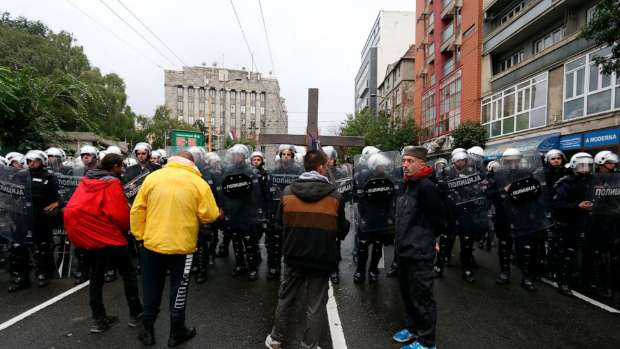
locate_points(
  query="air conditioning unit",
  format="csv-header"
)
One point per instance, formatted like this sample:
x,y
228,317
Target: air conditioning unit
x,y
488,16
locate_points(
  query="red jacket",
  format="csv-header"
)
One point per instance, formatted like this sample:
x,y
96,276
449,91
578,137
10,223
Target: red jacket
x,y
97,214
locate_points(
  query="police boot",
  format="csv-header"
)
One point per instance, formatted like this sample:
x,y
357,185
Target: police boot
x,y
393,272
373,275
180,333
44,263
377,253
18,266
597,283
273,272
201,273
19,281
566,271
81,274
335,277
468,275
527,265
359,276
110,275
147,333
528,284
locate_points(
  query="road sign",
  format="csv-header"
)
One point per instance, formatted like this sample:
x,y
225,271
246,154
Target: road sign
x,y
182,138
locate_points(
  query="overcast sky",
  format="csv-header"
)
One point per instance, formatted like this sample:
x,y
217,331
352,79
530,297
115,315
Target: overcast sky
x,y
314,43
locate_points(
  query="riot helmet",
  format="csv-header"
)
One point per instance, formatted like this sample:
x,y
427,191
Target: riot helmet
x,y
476,152
57,153
130,162
90,150
196,153
605,156
103,153
459,159
37,156
287,153
143,146
299,158
457,150
554,153
163,153
239,153
155,157
440,164
260,161
379,162
15,159
332,155
582,163
511,158
493,165
370,150
114,150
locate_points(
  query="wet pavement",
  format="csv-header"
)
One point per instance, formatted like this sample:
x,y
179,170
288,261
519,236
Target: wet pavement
x,y
236,313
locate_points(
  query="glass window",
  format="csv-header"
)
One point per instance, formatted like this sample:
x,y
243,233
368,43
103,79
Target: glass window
x,y
599,102
232,108
191,107
212,108
262,97
262,110
243,122
191,120
222,108
180,91
190,91
201,106
252,110
222,121
252,96
212,93
233,95
179,105
222,94
201,92
242,95
242,109
233,122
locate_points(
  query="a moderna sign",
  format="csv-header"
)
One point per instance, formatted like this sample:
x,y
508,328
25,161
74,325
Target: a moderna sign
x,y
599,138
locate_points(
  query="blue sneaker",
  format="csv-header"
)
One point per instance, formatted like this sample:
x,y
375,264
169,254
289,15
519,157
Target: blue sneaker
x,y
416,345
404,336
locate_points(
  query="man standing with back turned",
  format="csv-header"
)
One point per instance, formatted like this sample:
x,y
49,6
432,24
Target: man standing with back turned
x,y
165,217
311,217
419,221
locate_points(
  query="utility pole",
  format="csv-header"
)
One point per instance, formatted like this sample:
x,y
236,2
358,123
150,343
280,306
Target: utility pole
x,y
209,124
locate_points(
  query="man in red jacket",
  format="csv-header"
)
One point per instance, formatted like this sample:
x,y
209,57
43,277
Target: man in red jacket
x,y
97,218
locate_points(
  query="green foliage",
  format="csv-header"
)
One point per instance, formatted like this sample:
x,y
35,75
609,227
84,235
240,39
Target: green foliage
x,y
159,128
469,134
33,108
604,29
379,131
241,140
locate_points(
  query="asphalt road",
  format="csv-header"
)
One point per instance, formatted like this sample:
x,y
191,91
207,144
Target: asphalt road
x,y
236,313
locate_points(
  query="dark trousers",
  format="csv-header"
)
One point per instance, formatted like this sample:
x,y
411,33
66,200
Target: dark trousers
x,y
154,268
316,291
244,245
446,243
416,287
120,258
376,239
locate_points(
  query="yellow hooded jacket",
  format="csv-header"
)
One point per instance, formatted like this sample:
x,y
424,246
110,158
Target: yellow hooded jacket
x,y
168,207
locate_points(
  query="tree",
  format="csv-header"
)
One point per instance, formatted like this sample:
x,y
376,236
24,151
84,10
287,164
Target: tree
x,y
229,142
604,29
469,134
158,128
33,109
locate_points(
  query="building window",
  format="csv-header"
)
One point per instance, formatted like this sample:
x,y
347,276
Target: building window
x,y
233,122
398,97
448,67
509,62
549,40
262,110
242,109
179,106
587,91
243,122
512,12
232,108
222,108
449,103
191,120
213,121
190,91
518,108
242,95
202,118
212,93
433,79
252,110
590,14
201,106
252,96
201,92
212,108
233,95
222,94
428,115
468,31
262,96
222,121
180,91
191,107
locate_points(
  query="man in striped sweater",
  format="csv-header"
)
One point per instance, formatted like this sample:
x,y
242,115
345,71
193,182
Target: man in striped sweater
x,y
311,217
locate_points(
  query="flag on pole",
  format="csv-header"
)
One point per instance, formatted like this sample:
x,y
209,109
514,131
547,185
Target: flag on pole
x,y
232,134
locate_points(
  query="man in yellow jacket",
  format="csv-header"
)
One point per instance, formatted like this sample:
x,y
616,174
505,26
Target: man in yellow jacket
x,y
165,217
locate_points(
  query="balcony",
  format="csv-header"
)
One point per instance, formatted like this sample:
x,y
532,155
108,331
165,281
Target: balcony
x,y
431,23
447,9
447,38
431,53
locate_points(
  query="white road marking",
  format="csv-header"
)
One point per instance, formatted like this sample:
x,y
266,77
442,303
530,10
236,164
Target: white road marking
x,y
24,315
585,298
335,326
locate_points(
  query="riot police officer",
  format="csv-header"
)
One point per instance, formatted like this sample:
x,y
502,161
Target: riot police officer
x,y
44,201
571,209
142,152
554,171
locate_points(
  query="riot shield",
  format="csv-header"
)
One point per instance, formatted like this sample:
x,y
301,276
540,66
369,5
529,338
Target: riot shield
x,y
278,177
523,189
61,249
343,176
466,196
239,192
604,192
375,191
132,187
16,213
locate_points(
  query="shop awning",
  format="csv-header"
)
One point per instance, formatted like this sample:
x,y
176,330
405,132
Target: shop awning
x,y
543,143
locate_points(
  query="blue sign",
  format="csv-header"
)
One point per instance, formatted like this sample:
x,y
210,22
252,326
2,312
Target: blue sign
x,y
600,138
570,142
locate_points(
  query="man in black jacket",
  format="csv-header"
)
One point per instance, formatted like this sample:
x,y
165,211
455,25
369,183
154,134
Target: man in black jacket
x,y
311,217
419,221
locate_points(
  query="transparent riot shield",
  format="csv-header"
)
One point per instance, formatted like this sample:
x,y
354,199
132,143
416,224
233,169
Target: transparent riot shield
x,y
523,188
61,249
343,177
132,187
16,213
604,192
279,176
466,198
239,192
375,191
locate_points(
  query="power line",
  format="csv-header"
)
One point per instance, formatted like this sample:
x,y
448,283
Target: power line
x,y
267,37
132,28
111,32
